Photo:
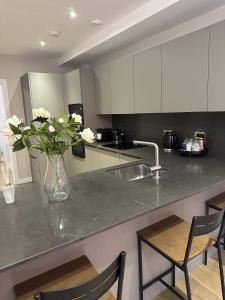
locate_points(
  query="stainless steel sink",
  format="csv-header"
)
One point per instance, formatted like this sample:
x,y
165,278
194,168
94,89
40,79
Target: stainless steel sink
x,y
132,173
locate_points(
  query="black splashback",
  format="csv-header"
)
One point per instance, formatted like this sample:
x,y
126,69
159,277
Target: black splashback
x,y
149,127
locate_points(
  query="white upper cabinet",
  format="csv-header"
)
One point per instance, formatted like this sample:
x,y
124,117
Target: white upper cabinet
x,y
46,91
216,88
185,73
72,87
122,85
147,81
102,89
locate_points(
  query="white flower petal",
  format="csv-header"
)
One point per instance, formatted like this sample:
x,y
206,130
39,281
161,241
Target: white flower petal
x,y
87,135
78,118
14,120
40,113
51,128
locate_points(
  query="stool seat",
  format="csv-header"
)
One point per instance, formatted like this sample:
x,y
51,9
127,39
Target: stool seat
x,y
68,275
217,202
170,237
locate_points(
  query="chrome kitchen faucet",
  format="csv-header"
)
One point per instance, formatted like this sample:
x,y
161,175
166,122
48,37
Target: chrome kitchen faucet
x,y
156,168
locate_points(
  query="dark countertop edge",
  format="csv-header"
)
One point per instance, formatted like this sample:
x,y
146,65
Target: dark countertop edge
x,y
43,253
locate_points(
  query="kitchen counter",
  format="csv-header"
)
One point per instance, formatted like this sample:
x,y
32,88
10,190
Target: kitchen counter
x,y
99,201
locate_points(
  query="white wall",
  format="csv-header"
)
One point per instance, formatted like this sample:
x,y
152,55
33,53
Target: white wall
x,y
11,69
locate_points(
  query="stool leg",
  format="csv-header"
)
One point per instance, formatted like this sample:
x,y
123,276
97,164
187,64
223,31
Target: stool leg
x,y
205,256
140,269
224,242
187,282
221,270
174,276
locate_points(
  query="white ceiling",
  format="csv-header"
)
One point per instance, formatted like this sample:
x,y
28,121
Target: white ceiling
x,y
23,23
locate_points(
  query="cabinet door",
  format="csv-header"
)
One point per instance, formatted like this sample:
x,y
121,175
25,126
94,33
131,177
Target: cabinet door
x,y
147,81
71,87
185,73
124,159
102,90
77,165
92,157
121,86
216,88
108,159
47,92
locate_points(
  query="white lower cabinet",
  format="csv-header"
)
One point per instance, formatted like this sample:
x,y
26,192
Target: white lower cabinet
x,y
108,159
92,157
77,165
97,159
124,159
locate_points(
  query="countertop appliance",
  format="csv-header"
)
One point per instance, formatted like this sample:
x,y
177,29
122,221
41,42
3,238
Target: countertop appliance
x,y
119,136
79,149
104,135
196,146
169,140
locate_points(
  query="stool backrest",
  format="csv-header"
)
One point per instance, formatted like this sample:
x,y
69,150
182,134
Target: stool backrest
x,y
202,225
93,289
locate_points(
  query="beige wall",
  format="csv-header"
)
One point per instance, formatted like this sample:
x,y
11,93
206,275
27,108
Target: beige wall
x,y
11,69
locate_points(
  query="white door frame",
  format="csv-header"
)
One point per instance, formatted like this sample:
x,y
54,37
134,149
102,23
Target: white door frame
x,y
3,84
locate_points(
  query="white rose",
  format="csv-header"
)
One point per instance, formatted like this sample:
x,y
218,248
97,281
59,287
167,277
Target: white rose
x,y
40,113
14,120
87,135
61,120
26,128
78,118
51,128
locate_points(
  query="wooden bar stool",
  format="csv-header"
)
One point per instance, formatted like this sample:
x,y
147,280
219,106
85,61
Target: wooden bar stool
x,y
216,203
77,279
179,242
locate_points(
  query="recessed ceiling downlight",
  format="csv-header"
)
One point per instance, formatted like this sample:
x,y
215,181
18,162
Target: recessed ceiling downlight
x,y
96,22
72,14
42,43
55,33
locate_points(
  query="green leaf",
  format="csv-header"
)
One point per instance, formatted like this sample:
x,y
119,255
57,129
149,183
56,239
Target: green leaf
x,y
40,120
18,145
15,129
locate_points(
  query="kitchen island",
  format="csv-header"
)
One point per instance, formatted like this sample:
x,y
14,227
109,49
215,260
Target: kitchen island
x,y
101,218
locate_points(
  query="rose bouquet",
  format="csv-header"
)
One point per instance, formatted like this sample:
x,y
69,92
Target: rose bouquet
x,y
52,136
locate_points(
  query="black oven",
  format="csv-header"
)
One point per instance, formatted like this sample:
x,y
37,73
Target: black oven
x,y
79,149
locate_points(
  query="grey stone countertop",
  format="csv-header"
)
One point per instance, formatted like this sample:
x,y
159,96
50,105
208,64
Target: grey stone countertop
x,y
99,201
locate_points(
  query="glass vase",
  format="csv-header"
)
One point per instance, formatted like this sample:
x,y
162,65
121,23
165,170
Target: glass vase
x,y
56,185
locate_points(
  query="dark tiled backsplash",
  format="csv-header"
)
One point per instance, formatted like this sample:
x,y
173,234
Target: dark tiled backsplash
x,y
149,127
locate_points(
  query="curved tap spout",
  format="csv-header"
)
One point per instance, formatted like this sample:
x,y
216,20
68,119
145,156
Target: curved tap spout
x,y
157,166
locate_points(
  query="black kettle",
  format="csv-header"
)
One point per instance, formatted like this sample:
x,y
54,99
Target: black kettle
x,y
169,140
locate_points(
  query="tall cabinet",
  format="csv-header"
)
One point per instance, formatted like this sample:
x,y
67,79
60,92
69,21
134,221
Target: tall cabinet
x,y
147,81
41,90
72,87
122,85
102,90
216,89
185,73
53,92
